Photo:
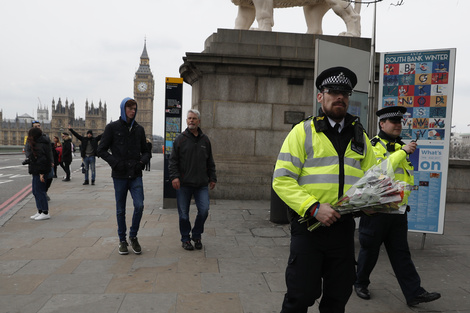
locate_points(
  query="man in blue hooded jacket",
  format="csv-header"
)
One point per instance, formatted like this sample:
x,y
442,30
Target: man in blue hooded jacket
x,y
129,154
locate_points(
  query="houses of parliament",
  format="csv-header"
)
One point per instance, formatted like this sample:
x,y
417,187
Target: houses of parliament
x,y
62,114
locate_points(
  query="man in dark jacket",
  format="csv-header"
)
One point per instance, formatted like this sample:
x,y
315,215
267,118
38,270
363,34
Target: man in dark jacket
x,y
192,169
128,156
88,153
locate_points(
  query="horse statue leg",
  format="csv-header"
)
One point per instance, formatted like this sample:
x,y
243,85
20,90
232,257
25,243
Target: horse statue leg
x,y
264,14
351,16
314,16
245,18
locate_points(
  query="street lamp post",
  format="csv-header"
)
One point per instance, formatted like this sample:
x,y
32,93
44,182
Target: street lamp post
x,y
372,72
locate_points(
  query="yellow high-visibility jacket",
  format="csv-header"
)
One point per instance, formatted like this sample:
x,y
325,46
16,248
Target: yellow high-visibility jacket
x,y
399,160
309,169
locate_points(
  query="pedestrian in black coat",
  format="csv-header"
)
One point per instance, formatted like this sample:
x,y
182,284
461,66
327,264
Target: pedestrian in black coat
x,y
39,161
66,155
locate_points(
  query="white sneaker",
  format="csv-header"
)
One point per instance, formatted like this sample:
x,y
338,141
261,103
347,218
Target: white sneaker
x,y
42,216
33,217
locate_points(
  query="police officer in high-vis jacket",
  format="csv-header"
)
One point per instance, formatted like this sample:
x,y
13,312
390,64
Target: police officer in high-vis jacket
x,y
320,159
391,229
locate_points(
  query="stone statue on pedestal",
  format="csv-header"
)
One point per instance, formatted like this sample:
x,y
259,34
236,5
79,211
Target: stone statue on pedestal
x,y
314,11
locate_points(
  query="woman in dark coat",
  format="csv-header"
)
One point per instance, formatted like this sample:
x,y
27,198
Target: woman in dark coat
x,y
40,163
66,155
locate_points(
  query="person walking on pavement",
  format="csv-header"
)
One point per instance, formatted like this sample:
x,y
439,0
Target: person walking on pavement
x,y
320,159
66,155
149,147
192,173
40,162
391,229
126,140
88,153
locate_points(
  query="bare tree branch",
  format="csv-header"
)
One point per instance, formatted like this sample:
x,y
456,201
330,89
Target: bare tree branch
x,y
364,1
399,2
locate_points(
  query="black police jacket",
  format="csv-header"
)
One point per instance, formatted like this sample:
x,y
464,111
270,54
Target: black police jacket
x,y
128,148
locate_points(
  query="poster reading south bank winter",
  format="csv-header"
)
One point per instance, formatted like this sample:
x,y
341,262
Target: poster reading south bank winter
x,y
422,81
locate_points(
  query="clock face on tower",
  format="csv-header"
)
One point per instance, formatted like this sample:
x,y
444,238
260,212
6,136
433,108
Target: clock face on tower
x,y
142,87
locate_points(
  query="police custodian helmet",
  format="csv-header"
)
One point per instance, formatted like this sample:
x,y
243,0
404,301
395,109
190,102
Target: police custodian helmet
x,y
391,113
336,78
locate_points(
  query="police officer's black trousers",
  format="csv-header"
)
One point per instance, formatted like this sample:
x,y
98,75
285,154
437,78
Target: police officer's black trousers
x,y
392,230
321,260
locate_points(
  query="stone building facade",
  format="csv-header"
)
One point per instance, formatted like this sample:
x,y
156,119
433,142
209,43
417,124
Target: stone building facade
x,y
63,115
13,132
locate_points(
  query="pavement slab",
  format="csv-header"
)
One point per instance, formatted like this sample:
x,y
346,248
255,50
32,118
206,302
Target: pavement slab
x,y
70,263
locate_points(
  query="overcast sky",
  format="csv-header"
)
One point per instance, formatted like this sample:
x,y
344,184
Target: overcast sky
x,y
90,50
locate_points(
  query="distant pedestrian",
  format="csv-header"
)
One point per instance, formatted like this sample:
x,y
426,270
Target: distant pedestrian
x,y
57,153
66,155
126,140
39,166
149,147
27,150
192,173
88,153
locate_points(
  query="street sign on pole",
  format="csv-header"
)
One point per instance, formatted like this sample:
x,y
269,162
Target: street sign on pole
x,y
173,107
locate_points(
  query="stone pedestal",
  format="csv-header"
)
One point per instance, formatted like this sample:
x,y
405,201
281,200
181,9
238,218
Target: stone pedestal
x,y
250,88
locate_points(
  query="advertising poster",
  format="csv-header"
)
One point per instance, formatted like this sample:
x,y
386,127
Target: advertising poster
x,y
422,81
173,107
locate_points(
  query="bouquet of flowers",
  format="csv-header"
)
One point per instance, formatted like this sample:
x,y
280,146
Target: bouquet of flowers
x,y
377,191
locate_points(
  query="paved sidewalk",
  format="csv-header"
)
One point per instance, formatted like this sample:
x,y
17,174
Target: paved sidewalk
x,y
70,263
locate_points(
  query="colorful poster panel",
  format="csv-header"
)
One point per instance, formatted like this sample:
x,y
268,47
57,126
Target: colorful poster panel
x,y
418,80
422,81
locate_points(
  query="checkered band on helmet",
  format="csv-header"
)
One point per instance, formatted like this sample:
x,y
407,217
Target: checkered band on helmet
x,y
391,115
336,78
340,79
392,112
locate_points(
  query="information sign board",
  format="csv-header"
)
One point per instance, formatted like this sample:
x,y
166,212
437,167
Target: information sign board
x,y
422,81
173,107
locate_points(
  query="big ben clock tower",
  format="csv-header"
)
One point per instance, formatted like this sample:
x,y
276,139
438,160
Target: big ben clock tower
x,y
143,93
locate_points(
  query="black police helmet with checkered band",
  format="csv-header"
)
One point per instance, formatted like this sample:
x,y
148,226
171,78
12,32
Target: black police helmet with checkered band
x,y
392,113
336,78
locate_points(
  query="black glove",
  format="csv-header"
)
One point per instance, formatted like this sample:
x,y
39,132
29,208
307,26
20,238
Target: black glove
x,y
139,166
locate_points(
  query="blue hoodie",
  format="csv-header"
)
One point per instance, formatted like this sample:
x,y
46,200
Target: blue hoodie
x,y
123,111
